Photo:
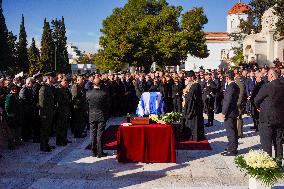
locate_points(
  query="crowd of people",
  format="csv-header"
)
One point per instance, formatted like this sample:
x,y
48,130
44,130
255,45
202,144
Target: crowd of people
x,y
36,108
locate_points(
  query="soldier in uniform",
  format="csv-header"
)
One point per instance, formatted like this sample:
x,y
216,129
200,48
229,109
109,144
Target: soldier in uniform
x,y
37,120
13,117
63,102
241,102
79,104
46,111
208,96
26,96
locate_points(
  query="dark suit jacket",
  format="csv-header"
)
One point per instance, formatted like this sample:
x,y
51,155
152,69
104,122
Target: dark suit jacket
x,y
230,102
98,105
250,84
270,101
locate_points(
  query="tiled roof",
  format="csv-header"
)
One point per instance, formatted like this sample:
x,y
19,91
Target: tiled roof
x,y
217,37
217,34
239,8
218,40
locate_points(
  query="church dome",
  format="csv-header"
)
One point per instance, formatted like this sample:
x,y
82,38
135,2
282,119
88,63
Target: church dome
x,y
239,8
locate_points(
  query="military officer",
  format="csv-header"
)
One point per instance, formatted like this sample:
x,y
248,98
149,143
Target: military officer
x,y
46,111
63,102
79,105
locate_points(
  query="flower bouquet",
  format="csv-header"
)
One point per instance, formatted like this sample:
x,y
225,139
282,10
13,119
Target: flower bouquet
x,y
168,118
260,166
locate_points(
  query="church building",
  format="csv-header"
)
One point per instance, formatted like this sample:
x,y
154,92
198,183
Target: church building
x,y
265,47
220,44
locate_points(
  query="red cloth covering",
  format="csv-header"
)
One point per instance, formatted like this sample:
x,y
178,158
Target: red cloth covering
x,y
152,143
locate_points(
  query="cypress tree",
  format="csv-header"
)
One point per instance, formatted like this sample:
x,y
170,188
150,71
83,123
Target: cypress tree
x,y
5,54
13,68
34,58
47,49
22,48
60,39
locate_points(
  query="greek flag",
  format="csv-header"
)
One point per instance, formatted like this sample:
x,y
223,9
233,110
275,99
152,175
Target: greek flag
x,y
150,103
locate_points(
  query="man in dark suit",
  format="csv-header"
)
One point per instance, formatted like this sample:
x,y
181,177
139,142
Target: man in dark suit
x,y
230,113
270,103
255,91
99,109
209,92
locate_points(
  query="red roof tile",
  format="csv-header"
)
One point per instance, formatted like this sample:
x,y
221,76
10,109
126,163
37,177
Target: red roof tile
x,y
239,8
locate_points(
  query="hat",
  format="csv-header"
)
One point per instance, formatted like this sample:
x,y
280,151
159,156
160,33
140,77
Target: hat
x,y
190,74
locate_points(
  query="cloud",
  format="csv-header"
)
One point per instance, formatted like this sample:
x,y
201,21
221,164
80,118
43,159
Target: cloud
x,y
88,47
92,34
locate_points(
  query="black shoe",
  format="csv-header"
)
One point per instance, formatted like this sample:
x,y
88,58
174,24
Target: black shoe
x,y
45,149
52,147
101,155
89,147
94,154
229,153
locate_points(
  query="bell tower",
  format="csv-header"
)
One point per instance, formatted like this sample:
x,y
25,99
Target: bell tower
x,y
237,13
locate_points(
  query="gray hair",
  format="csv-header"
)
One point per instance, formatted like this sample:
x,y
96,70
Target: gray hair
x,y
29,80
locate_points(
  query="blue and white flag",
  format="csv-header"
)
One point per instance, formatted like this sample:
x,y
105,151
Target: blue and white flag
x,y
150,103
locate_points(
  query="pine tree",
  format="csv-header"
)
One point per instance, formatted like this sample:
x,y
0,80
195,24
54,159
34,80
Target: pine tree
x,y
5,54
47,49
13,68
60,39
22,48
34,58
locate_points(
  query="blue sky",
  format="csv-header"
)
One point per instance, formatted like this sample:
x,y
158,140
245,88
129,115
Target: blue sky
x,y
84,18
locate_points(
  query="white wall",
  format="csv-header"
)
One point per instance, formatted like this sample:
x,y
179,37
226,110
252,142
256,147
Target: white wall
x,y
212,61
233,22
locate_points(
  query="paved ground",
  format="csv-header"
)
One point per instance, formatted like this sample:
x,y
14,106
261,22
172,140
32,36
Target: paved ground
x,y
73,167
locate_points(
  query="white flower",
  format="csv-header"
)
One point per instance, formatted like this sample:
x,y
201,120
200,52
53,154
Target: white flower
x,y
259,159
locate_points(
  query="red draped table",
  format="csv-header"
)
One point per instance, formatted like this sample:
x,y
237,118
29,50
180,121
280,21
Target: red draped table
x,y
152,143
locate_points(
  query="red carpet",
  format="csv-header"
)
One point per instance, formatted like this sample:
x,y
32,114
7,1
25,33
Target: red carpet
x,y
110,143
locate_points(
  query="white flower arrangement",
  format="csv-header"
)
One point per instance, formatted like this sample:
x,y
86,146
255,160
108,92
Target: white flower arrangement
x,y
258,164
259,159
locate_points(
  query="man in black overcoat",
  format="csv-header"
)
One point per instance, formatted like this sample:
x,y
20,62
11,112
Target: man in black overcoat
x,y
270,103
230,113
193,110
99,109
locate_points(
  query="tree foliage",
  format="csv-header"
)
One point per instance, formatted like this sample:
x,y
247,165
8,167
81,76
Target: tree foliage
x,y
60,41
34,58
5,54
280,12
47,49
147,31
23,59
13,67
